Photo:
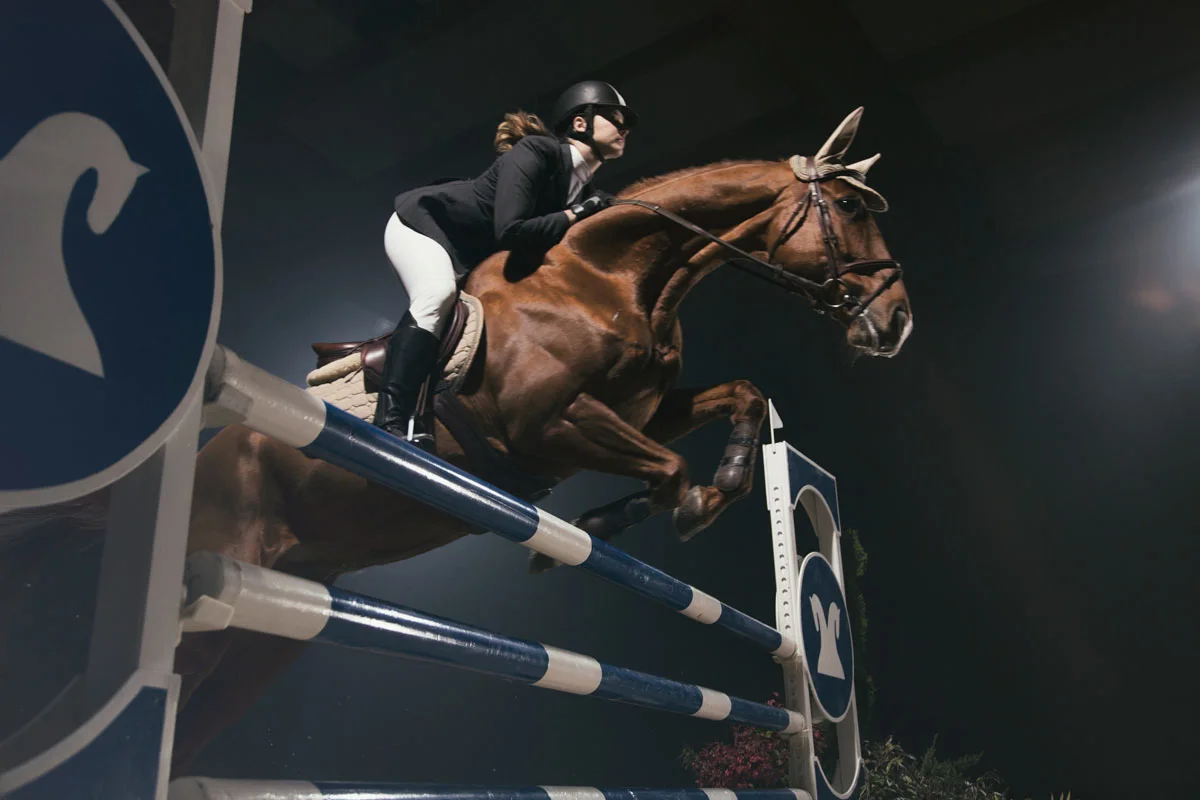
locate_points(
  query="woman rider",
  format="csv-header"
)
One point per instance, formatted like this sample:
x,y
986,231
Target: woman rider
x,y
538,187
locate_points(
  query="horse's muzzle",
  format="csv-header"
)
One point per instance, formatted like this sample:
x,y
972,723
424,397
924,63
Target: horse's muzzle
x,y
881,332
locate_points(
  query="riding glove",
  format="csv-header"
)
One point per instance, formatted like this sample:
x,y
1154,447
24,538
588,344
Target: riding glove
x,y
590,206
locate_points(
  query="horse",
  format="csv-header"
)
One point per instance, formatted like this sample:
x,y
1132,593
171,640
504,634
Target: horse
x,y
581,352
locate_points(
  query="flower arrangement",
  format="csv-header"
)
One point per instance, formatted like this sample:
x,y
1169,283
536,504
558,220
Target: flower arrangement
x,y
755,759
758,759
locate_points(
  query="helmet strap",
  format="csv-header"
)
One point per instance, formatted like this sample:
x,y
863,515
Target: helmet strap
x,y
587,134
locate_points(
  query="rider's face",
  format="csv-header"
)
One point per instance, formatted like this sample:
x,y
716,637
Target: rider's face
x,y
609,132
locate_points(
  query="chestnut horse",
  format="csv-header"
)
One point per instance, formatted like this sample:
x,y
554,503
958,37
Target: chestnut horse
x,y
581,354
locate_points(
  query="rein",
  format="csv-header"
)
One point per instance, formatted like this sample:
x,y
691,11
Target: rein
x,y
754,265
829,295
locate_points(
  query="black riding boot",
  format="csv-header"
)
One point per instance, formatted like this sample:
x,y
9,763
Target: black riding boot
x,y
411,355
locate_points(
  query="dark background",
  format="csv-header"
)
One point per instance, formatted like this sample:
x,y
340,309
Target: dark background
x,y
1023,475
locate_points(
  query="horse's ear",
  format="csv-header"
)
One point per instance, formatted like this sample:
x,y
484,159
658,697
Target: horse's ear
x,y
837,144
861,167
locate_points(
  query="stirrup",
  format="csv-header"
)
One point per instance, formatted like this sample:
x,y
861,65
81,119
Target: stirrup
x,y
423,440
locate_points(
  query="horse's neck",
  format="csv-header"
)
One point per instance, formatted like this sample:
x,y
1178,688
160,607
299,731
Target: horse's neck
x,y
719,196
729,201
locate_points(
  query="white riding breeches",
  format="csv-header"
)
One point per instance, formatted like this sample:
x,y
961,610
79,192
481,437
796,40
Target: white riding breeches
x,y
425,269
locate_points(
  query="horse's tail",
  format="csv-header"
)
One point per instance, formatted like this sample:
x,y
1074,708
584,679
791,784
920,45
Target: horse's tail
x,y
83,515
32,539
29,537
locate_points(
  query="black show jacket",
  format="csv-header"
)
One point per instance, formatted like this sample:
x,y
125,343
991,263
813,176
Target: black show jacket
x,y
517,204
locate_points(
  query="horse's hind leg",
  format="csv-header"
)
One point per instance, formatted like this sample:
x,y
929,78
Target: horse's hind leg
x,y
250,661
264,503
238,511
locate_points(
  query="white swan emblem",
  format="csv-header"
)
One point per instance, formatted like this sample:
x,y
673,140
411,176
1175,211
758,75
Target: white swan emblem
x,y
828,661
38,308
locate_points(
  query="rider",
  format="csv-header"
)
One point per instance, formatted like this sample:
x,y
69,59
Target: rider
x,y
538,186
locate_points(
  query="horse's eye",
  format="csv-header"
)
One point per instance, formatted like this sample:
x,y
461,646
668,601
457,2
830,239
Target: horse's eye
x,y
851,205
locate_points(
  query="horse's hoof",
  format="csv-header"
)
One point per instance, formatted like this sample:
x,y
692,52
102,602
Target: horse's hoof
x,y
609,520
690,517
599,525
539,563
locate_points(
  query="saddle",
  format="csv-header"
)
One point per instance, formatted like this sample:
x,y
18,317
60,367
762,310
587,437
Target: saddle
x,y
348,376
456,348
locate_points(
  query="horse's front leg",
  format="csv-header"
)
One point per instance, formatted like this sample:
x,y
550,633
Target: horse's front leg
x,y
683,411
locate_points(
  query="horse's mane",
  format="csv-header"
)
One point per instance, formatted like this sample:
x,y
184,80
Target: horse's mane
x,y
647,184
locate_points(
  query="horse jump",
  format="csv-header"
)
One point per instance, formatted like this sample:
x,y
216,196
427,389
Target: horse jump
x,y
223,592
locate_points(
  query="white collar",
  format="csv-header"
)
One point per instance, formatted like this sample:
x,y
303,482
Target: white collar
x,y
578,165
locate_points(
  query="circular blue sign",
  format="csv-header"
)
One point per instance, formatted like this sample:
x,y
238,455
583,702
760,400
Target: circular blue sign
x,y
825,637
109,262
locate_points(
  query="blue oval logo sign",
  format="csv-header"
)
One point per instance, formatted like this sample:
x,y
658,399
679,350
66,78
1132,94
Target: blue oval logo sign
x,y
825,637
109,266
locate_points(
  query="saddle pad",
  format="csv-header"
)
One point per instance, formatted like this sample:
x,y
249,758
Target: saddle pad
x,y
341,383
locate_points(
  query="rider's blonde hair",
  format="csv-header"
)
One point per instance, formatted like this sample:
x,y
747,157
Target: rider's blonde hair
x,y
515,127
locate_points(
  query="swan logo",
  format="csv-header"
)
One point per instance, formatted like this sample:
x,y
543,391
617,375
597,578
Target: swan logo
x,y
825,637
109,265
38,308
830,627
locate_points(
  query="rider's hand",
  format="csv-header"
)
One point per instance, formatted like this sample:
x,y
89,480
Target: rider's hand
x,y
590,206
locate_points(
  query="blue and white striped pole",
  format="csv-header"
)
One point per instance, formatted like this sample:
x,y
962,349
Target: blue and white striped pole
x,y
217,789
285,412
222,592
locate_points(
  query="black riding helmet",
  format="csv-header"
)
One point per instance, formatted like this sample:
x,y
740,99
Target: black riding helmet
x,y
584,99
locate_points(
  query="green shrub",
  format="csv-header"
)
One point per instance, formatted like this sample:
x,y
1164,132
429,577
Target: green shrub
x,y
893,774
758,760
854,566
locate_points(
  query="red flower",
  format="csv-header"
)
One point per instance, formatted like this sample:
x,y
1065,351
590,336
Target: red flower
x,y
756,759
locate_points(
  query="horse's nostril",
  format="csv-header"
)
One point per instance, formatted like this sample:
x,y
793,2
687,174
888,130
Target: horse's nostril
x,y
899,318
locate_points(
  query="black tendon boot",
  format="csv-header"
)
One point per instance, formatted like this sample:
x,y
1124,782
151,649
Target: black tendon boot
x,y
411,355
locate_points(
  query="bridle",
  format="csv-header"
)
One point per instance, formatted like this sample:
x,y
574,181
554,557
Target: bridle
x,y
832,294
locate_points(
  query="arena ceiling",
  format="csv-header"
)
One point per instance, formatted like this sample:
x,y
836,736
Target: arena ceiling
x,y
1034,103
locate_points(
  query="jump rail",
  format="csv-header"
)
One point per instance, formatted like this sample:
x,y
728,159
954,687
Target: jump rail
x,y
214,789
222,592
285,412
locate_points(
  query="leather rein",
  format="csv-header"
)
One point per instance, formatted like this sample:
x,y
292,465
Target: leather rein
x,y
829,295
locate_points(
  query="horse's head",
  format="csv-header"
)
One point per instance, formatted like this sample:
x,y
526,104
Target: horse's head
x,y
823,231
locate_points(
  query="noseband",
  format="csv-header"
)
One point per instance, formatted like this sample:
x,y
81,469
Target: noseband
x,y
827,296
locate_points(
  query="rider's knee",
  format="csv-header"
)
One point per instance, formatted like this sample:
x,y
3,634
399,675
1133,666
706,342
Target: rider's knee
x,y
431,307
